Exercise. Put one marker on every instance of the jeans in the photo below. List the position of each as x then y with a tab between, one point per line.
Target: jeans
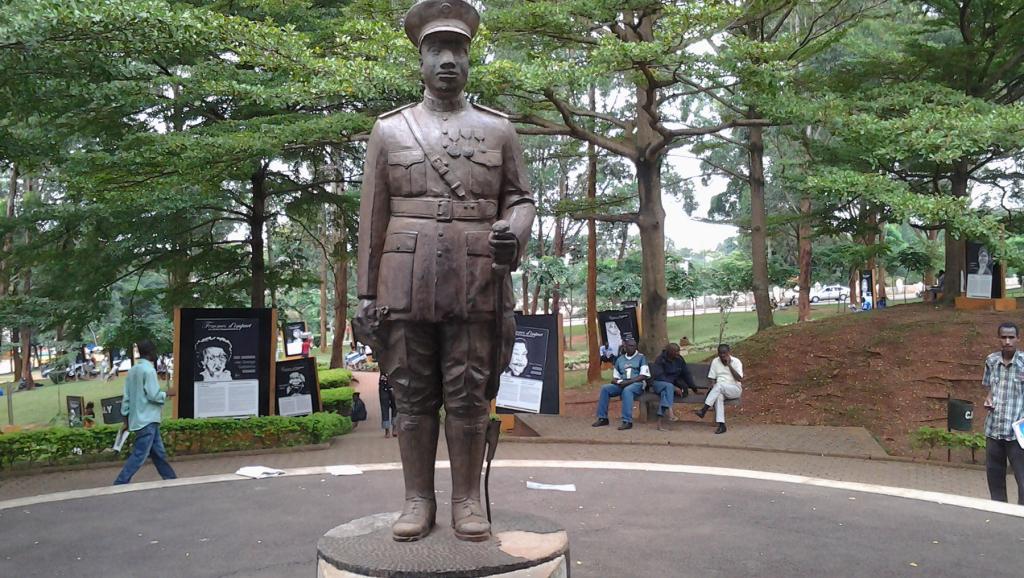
610	390
667	392
147	443
996	454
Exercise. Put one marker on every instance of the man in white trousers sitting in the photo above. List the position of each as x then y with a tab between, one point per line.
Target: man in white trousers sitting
727	374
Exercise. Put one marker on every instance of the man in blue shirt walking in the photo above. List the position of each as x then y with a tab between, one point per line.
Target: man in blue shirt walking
628	377
142	407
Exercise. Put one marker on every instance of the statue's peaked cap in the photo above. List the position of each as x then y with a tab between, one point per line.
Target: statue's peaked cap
429	16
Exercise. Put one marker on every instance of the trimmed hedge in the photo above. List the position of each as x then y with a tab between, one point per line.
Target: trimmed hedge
337	400
180	436
332	378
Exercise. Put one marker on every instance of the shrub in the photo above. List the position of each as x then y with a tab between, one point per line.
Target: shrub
332	378
931	437
180	436
337	400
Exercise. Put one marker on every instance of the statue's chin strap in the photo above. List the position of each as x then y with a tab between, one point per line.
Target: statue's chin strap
491	439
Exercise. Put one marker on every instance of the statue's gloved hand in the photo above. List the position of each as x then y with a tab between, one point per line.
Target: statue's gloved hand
366	324
504	244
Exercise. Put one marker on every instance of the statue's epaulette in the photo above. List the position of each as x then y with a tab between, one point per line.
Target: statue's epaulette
397	110
490	110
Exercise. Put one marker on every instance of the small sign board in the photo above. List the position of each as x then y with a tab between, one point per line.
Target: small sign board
618	325
111	410
532	381
76	405
293	332
297	390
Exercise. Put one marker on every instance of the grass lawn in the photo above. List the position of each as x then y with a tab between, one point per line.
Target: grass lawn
38	406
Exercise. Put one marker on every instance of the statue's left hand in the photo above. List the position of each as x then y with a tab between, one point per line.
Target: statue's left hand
504	244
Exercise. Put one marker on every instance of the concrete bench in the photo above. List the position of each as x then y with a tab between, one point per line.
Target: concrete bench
649	401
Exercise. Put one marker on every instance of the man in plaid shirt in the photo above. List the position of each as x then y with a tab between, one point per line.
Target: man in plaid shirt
1004	378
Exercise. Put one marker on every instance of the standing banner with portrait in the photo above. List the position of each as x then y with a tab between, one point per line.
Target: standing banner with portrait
532	379
982	272
867	289
297	389
226	359
76	406
618	325
293	332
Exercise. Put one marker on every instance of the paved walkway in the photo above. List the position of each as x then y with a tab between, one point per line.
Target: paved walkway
846	454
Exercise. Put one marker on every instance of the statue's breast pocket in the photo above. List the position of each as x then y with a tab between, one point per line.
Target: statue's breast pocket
486	173
407	173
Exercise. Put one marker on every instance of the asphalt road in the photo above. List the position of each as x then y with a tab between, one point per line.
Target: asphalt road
620	523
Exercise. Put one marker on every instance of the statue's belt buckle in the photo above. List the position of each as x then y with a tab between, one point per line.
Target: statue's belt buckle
444	210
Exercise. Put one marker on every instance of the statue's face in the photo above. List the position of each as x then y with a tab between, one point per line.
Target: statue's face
444	63
214	359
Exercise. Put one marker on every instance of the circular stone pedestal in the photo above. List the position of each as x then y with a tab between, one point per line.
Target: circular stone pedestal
521	546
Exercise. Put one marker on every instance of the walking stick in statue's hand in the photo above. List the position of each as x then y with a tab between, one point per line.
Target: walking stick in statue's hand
499	269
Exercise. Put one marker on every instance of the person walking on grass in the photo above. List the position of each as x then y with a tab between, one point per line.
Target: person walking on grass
142	408
1004	371
726	373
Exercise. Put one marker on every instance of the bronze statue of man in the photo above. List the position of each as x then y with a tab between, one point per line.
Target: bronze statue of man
445	214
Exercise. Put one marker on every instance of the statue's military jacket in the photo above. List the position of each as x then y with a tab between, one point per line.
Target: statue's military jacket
424	250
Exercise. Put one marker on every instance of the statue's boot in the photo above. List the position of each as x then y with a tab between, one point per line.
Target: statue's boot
466	446
418	445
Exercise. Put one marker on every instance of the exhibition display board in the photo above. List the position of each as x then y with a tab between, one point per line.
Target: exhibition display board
533	379
293	331
617	325
225	362
297	387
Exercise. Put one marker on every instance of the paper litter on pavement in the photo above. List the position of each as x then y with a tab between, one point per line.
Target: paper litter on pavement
343	470
258	472
556	487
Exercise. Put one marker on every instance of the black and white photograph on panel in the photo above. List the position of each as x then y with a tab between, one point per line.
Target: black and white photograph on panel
980	266
522	382
226	373
293	332
296	387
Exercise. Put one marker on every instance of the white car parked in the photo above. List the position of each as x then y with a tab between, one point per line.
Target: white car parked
831	293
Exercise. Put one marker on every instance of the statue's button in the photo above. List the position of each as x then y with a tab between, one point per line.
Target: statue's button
440	253
440	233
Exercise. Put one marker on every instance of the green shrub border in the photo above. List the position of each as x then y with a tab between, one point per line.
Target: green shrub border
933	437
337	400
59	446
333	378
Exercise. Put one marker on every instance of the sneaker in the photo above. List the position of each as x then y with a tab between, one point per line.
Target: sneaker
626	425
601	421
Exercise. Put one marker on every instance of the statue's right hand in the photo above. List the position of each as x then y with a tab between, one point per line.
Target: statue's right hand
367	310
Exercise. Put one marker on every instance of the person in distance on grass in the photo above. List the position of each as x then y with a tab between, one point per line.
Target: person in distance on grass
142	408
726	373
1004	380
628	377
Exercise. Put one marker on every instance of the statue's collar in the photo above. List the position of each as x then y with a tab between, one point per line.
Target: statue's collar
444	104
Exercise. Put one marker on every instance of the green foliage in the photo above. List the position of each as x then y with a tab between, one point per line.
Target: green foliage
181	436
337	400
334	378
932	437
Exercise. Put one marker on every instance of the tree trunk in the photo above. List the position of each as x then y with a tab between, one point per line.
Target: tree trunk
257	221
758	228
651	222
929	273
854	286
623	242
324	348
880	270
526	293
804	258
340	298
558	242
956	249
593	335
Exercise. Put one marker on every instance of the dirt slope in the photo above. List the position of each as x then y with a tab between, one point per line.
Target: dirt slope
879	369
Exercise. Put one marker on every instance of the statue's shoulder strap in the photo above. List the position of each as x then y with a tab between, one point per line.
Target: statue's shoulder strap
490	110
397	110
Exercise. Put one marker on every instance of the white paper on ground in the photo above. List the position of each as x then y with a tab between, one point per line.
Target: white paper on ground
343	470
556	487
1018	430
258	472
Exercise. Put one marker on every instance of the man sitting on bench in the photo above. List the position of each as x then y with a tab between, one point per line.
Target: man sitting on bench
628	376
668	372
726	372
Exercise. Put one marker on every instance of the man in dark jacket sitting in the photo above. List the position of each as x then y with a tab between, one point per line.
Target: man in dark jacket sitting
668	372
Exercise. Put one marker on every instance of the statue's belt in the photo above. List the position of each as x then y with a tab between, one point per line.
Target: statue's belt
444	209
